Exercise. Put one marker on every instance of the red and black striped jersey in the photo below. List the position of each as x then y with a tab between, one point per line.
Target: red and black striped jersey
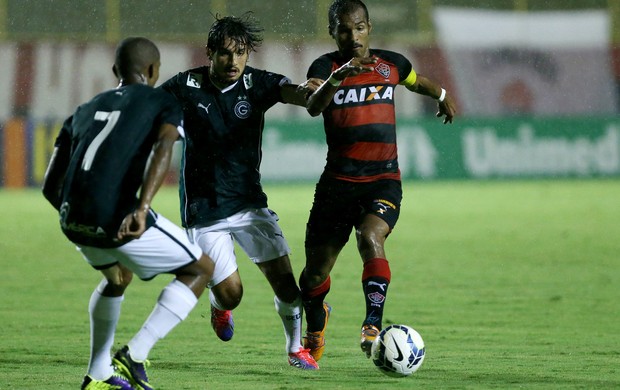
360	121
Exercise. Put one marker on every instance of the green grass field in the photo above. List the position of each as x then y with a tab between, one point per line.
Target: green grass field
511	285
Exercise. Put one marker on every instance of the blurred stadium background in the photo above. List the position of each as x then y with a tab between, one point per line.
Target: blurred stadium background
536	81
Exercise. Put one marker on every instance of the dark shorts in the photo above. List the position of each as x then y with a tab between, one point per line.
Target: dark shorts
339	206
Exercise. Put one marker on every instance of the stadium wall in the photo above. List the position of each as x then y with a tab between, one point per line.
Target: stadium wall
482	148
471	148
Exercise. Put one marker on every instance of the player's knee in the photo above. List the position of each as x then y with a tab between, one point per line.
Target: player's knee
118	278
229	292
369	237
314	276
232	302
115	287
230	299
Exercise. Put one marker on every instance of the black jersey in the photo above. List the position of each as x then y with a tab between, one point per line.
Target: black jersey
220	168
110	138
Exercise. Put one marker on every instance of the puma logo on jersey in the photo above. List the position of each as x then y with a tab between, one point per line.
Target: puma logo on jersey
361	94
200	105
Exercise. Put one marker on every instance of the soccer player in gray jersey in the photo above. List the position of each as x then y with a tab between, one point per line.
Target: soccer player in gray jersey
100	161
222	198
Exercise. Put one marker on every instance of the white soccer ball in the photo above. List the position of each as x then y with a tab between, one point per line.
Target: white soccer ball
398	351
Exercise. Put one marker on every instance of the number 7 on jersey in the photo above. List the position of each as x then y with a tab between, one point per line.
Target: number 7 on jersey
110	118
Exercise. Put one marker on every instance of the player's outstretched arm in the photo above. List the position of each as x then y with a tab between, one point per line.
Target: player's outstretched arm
134	224
445	103
298	94
320	99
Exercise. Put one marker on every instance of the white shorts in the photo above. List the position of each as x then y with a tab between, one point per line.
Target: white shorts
163	248
255	230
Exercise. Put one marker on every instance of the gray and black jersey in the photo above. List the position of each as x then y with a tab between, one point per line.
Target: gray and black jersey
111	138
220	169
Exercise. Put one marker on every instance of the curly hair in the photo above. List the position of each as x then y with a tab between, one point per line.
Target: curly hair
244	31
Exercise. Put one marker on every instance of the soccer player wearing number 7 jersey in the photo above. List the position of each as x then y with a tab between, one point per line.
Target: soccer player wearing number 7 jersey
100	161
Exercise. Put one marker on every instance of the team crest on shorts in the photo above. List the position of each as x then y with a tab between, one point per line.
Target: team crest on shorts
383	69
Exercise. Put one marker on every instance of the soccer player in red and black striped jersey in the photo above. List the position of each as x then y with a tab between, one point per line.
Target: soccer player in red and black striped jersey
360	187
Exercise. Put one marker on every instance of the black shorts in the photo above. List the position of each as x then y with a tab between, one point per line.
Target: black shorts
339	206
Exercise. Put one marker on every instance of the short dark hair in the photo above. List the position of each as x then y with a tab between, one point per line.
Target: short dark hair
340	7
243	30
134	54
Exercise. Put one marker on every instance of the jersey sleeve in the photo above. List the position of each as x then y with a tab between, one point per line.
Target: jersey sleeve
407	75
172	113
321	68
267	86
64	136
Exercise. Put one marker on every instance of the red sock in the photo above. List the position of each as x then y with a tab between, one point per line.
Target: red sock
377	267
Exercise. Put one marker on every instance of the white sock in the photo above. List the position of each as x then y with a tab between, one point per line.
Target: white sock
104	314
175	303
290	313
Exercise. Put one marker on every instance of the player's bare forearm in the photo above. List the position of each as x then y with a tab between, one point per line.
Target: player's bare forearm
295	94
427	87
134	224
445	103
158	166
320	99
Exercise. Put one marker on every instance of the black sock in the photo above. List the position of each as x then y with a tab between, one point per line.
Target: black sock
312	300
375	292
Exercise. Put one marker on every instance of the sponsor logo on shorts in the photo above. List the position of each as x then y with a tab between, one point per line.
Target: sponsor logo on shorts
385	203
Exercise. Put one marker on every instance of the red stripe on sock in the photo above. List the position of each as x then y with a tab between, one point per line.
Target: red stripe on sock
321	288
377	267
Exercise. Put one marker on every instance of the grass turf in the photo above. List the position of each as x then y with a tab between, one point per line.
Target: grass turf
511	285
